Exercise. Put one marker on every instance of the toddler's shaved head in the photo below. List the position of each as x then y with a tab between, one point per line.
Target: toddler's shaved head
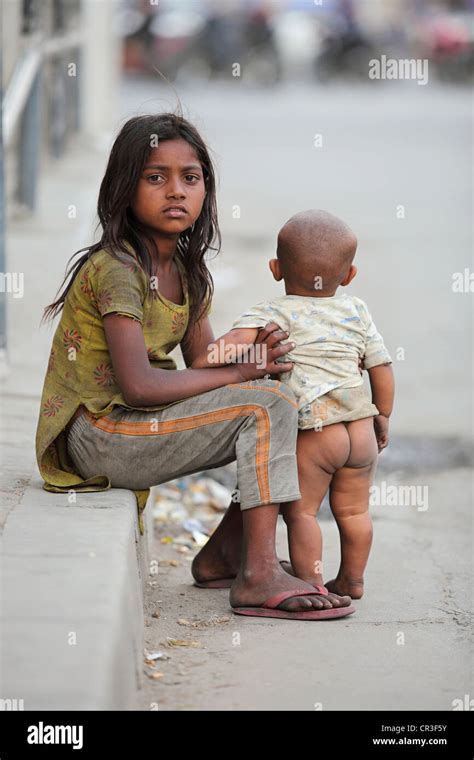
315	244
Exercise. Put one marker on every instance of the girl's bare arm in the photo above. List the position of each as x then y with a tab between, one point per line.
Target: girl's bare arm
229	348
144	385
196	339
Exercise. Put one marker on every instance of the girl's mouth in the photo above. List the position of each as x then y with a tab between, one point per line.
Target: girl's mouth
175	212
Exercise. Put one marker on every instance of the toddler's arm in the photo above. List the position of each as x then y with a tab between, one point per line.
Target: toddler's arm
382	383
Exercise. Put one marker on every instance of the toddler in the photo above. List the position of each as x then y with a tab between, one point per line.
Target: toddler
341	428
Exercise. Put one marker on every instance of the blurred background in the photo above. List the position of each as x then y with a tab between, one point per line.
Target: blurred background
281	92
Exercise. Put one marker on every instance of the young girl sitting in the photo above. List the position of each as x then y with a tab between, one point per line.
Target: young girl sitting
115	410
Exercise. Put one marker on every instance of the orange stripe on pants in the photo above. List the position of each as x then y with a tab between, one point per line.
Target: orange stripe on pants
262	418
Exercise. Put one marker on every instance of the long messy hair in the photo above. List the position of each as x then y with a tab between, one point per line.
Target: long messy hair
119	225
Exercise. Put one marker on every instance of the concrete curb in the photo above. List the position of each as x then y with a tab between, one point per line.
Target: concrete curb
73	577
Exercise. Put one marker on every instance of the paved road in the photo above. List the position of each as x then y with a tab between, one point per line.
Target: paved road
405	648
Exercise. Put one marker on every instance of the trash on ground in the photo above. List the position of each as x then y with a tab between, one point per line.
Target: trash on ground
195	498
156	655
183	643
193	525
183	541
213	621
155	675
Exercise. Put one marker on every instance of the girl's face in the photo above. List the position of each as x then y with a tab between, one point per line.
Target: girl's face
171	190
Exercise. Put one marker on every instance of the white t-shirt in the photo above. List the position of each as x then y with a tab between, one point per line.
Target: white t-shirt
331	334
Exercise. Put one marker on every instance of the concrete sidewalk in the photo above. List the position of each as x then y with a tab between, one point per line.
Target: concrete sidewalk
72	575
407	647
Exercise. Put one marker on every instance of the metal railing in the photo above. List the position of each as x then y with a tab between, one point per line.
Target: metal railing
47	73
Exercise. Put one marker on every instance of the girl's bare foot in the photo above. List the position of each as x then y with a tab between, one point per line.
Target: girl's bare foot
251	591
213	565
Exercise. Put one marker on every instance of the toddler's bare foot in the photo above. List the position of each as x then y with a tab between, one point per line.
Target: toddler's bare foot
353	587
335	597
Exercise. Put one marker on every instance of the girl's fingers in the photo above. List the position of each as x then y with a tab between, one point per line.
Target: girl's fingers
275	368
272	334
275	339
263	334
274	353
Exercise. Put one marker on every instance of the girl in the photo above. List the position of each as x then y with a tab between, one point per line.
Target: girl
115	411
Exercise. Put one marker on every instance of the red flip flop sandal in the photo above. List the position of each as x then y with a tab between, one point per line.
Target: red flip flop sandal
269	608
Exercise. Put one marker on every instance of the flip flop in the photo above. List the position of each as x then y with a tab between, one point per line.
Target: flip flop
225	582
269	608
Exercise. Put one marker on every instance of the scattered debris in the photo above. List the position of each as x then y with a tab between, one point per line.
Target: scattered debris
152	656
183	643
156	614
199	533
154	675
192	499
183	541
213	621
193	525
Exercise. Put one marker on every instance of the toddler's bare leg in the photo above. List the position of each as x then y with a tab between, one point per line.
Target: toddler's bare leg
319	455
349	499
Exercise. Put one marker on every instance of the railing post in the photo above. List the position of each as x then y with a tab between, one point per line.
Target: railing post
30	146
3	266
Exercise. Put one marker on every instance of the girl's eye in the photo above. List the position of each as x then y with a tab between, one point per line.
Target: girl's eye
192	178
153	176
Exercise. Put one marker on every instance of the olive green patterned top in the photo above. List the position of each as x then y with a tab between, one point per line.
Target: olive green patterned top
80	369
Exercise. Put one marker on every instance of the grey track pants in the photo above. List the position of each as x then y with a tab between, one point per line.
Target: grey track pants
255	423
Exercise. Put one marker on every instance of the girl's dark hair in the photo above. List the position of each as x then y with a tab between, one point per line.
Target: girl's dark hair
119	225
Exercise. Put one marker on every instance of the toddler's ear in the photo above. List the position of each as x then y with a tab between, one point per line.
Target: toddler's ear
350	275
274	265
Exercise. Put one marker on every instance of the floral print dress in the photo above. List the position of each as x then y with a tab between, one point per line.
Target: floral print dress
80	370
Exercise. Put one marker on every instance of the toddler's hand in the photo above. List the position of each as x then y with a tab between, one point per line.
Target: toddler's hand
381	431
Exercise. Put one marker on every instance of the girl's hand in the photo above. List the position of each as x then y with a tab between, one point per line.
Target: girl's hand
268	339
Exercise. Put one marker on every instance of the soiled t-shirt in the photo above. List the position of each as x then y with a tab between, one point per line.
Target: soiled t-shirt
332	334
80	370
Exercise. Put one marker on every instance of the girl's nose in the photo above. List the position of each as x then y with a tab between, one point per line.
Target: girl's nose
176	190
